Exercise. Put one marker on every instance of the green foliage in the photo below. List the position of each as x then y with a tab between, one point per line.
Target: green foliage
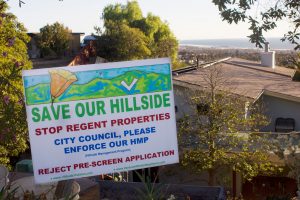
296	62
178	65
287	151
120	13
270	12
13	59
9	192
128	35
6	193
54	39
123	43
221	134
151	191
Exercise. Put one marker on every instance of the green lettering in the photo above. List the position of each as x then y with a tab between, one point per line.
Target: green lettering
114	106
90	111
135	107
166	99
122	105
151	101
100	107
157	101
36	116
66	111
145	104
55	114
79	109
46	114
128	108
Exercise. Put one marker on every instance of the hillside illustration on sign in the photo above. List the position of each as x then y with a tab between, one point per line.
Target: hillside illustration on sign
62	85
100	118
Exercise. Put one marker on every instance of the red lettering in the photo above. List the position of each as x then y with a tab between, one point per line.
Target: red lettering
69	128
146	118
167	115
113	122
54	170
48	130
81	165
90	125
140	119
120	122
76	127
38	131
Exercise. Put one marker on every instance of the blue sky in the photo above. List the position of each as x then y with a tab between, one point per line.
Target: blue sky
188	19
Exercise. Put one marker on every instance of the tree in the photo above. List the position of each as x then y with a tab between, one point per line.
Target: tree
222	137
161	40
270	12
124	43
128	35
54	38
288	151
13	59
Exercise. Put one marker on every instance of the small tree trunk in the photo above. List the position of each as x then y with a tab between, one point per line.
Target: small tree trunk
234	184
211	177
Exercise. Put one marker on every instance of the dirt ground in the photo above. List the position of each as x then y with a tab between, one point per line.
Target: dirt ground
90	194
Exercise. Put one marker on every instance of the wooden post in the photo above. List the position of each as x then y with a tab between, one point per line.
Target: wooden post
233	183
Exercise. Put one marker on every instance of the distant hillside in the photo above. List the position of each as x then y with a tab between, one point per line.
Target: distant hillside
237	43
100	88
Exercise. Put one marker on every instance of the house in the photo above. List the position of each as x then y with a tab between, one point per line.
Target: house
74	44
32	46
34	52
273	87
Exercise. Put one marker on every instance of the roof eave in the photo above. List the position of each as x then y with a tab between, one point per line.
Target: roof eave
278	95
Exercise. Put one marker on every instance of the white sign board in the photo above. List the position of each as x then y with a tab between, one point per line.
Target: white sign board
98	119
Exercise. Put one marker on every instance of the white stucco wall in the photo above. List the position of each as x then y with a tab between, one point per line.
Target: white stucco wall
182	97
275	107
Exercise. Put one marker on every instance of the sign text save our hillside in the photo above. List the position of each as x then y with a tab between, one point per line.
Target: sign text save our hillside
102	118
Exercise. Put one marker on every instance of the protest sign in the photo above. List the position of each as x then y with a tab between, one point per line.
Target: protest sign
102	118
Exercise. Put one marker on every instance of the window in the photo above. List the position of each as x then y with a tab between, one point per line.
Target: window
284	125
202	108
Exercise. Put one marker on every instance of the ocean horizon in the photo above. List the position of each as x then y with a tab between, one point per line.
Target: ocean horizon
238	43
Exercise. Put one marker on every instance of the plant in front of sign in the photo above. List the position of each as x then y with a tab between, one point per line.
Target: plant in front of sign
8	192
219	136
150	191
13	59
